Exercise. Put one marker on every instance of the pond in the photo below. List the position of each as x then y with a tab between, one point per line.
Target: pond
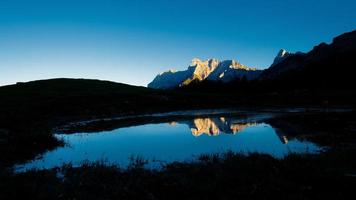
170	138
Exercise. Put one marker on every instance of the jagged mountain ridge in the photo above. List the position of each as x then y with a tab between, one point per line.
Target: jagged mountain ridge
326	65
211	69
282	55
230	70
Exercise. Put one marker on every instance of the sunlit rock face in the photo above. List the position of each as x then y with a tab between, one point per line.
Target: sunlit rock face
230	70
212	70
215	126
202	69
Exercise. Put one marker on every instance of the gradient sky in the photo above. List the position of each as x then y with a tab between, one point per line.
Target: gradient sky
131	41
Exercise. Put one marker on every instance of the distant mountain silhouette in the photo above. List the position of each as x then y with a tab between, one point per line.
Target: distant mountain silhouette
326	65
283	55
198	71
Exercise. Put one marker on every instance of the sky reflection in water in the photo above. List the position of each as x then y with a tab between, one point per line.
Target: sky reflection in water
174	141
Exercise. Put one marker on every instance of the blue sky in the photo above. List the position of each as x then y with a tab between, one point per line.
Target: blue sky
131	41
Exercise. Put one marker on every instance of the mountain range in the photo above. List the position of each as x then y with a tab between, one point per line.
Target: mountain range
314	68
324	64
210	70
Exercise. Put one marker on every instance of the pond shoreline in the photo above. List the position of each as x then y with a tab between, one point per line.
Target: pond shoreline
195	112
325	174
230	130
295	176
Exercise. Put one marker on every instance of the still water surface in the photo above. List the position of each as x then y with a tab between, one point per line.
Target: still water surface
181	140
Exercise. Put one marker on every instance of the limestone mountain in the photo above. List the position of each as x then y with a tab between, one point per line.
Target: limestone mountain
211	70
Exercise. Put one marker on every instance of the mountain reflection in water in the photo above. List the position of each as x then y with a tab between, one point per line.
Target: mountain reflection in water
169	139
214	126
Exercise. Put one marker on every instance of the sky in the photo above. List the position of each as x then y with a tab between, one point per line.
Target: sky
131	41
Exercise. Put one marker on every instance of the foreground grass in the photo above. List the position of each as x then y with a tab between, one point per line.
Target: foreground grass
29	111
327	128
218	176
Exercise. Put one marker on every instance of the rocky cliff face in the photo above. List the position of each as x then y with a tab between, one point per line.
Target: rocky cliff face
212	70
326	65
230	70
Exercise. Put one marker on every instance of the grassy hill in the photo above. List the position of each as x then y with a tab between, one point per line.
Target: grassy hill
28	111
70	97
